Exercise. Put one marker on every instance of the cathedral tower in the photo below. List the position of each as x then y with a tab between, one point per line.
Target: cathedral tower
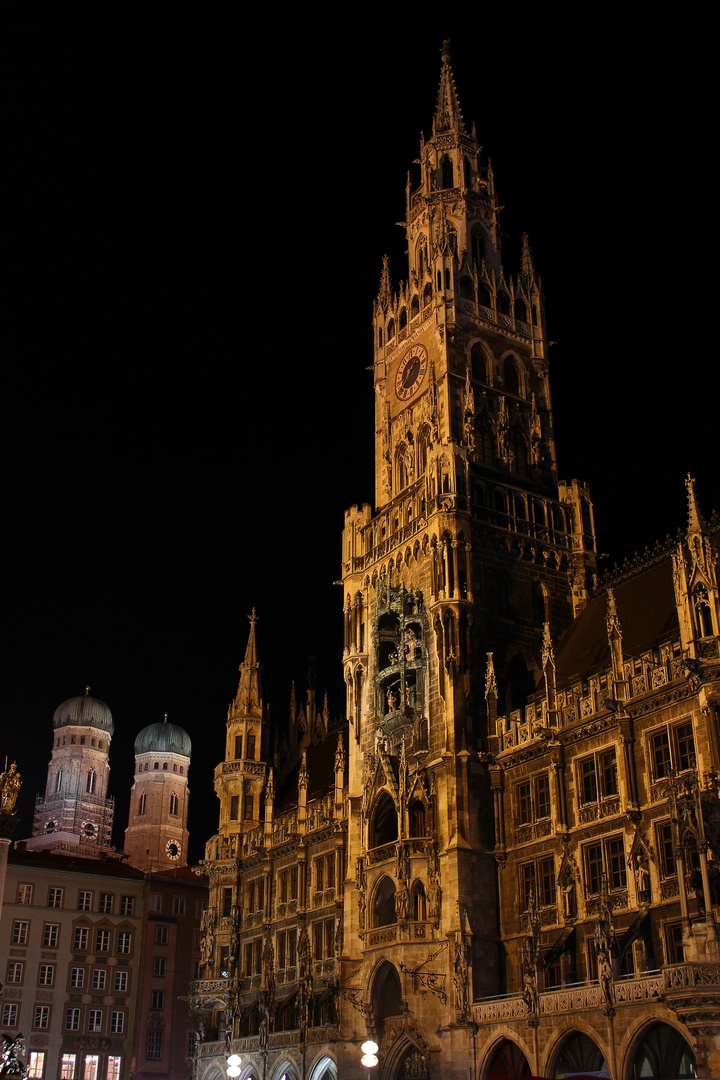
76	815
157	837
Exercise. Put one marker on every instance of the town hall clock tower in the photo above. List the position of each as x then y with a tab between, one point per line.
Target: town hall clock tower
472	564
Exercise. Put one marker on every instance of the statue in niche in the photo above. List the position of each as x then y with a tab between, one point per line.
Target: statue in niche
411	644
434	898
568	893
460	976
402	903
642	878
605	976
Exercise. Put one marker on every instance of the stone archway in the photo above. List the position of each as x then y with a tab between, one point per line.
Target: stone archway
662	1054
324	1069
507	1062
578	1054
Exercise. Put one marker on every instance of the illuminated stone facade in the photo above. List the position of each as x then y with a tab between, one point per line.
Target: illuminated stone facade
523	796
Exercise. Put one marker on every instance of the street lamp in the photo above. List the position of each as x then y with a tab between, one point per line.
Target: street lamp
233	1065
369	1049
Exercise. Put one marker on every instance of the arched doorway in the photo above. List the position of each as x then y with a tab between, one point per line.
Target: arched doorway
413	1066
508	1062
325	1069
579	1055
663	1054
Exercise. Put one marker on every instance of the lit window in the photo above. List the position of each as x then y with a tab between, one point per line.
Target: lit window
90	1071
36	1064
67	1067
113	1068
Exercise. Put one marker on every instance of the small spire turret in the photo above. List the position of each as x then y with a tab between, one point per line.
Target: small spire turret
448	115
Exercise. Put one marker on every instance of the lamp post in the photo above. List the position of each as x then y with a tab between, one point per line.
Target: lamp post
233	1066
369	1059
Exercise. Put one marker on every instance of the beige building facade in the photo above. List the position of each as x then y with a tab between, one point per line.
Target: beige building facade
503	861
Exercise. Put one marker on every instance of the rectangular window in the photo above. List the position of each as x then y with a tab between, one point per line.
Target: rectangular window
51	933
234	807
685	747
588	781
161	935
102	941
72	1019
291	945
106	903
281	950
55	897
15	971
238	747
542	796
317	940
257	955
191	1044
157	999
159	966
117	1022
329	937
25	894
660	747
36	1064
593	868
77	978
674	951
95	1020
608	773
113	1068
9	1015
524	804
20	932
248	808
294	883
84	900
616	863
606	857
548	891
80	938
319	874
527	884
67	1067
41	1018
153	1047
331	871
227	896
155	902
248	959
92	1063
251	747
597	776
667	852
46	975
124	943
120	982
127	907
283	886
178	906
99	978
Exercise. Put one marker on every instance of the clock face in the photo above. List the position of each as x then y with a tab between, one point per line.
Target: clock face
172	849
411	372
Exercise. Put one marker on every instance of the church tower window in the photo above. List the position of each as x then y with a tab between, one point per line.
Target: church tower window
446	172
90	782
477	247
511	376
173	804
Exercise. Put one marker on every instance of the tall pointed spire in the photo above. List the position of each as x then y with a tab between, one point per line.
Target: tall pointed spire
249	692
448	114
696	523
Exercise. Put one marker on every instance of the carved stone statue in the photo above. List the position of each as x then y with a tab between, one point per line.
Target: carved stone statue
605	976
434	898
10	1063
10	782
642	879
568	892
402	903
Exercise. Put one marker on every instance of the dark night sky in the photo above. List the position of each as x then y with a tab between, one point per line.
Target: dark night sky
197	206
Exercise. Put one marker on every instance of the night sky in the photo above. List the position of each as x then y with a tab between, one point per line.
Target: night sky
197	206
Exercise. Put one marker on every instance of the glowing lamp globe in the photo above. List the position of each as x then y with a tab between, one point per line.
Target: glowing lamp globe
369	1047
233	1066
368	1060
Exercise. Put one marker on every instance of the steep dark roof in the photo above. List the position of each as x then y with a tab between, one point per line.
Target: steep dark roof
321	772
647	613
73	864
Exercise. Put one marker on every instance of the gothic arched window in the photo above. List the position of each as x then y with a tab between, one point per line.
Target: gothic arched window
521	309
419	902
503	302
478	362
391	330
384	825
511	376
703	616
173	804
58	780
383	909
141	803
484	296
403	318
415	306
90	782
467	292
427	295
446	173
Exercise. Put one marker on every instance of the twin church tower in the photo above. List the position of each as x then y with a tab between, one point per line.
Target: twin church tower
76	815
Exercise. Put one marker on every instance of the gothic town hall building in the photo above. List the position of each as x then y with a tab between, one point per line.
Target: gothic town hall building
504	861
